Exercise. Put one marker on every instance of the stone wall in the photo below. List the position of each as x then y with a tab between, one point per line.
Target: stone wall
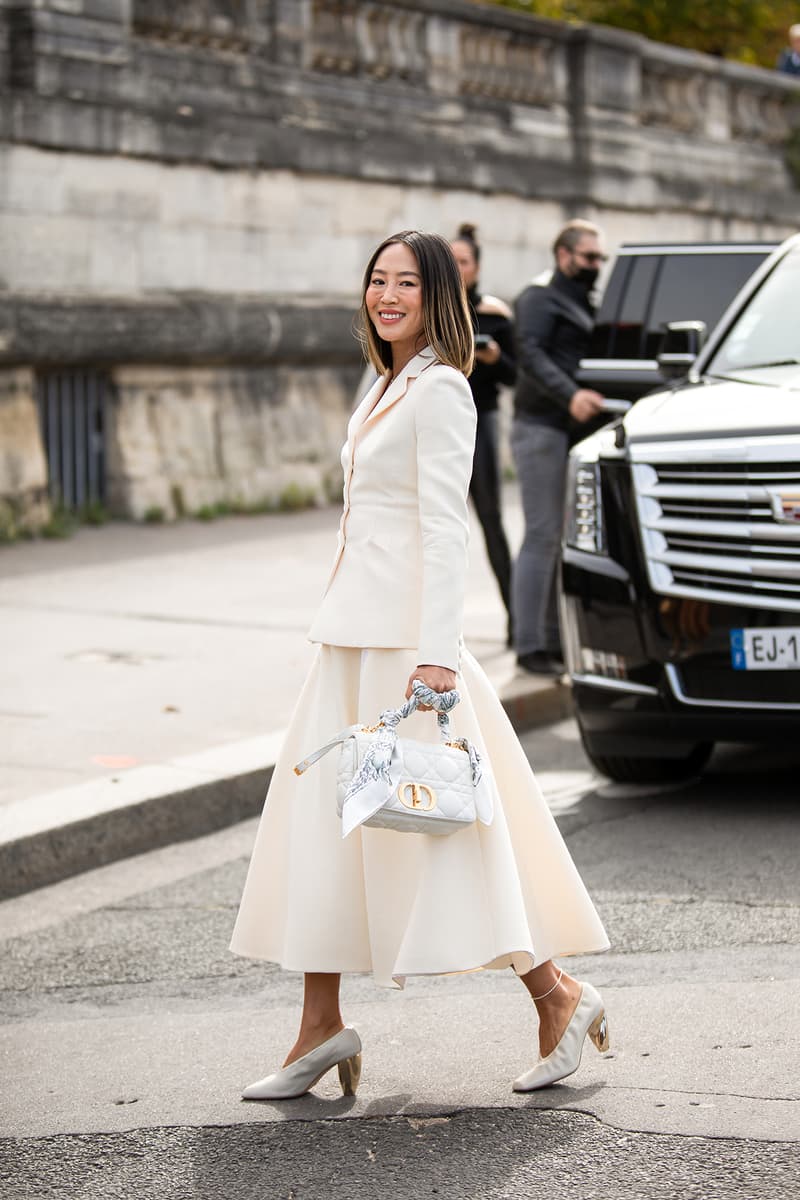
188	193
24	503
193	440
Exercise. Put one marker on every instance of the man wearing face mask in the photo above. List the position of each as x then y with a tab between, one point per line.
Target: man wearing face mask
554	325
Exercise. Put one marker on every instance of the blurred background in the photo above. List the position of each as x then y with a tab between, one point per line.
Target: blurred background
189	191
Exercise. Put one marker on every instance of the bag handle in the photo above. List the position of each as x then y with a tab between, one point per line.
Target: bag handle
441	702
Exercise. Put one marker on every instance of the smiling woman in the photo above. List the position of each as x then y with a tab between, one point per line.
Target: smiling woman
412	297
394	301
496	895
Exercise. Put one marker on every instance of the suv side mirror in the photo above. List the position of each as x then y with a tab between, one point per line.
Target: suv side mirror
682	343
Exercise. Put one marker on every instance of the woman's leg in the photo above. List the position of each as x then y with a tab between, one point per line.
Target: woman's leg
555	999
321	1017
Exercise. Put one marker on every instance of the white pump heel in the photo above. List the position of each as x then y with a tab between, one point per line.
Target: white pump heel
343	1050
588	1020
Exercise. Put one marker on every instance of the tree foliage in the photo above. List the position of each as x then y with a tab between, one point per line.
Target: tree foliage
752	31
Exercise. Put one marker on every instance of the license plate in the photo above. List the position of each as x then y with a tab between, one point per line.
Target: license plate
765	649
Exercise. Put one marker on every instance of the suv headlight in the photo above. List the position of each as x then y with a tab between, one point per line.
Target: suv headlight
583	514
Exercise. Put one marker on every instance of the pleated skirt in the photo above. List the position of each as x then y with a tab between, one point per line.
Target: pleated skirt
400	904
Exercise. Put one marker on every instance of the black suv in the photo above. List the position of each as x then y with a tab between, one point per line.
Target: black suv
651	286
680	605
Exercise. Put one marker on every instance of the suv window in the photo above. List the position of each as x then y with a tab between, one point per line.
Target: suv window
647	289
605	329
634	307
695	287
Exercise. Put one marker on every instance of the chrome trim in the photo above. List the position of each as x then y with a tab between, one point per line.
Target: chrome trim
615	685
618	364
738	599
735	449
682	519
628	251
754	573
568	607
675	684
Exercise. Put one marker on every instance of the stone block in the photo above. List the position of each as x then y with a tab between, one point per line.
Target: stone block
114	12
41	253
265	199
172	259
113	259
31	181
366	209
69	34
192	329
24	502
100	197
198	196
181	440
238	260
610	66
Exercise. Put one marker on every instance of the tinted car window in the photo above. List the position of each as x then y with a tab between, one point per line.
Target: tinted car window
604	333
768	331
627	343
696	287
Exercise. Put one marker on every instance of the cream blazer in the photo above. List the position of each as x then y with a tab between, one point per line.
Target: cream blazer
399	573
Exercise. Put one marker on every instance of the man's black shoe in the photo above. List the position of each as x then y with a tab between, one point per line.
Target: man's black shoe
540	663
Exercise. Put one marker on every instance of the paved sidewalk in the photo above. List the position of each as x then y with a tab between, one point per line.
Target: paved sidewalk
146	674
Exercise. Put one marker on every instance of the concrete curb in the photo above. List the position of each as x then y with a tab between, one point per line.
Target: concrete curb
45	839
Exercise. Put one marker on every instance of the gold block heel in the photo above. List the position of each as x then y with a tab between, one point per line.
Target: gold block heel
350	1074
598	1032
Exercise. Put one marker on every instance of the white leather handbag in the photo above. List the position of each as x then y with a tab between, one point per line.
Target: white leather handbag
390	782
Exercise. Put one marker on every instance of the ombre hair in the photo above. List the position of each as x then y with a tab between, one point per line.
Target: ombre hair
446	323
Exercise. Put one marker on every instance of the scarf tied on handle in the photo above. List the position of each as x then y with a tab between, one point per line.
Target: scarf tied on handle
372	784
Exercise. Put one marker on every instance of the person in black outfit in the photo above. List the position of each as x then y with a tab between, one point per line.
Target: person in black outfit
494	365
789	60
554	326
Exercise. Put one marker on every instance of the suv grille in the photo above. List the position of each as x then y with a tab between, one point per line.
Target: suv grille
711	530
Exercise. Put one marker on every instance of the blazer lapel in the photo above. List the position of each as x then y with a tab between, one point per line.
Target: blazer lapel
399	386
364	409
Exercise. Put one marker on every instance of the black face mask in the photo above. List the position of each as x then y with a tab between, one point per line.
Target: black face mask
587	277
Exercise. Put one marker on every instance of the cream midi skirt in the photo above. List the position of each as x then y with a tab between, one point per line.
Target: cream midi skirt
399	904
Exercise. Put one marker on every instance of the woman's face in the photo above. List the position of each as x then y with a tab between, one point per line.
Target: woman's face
466	261
394	300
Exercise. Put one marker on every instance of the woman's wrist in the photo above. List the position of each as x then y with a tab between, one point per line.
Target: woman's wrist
438	679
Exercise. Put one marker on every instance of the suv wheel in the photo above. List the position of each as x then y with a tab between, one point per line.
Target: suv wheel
627	769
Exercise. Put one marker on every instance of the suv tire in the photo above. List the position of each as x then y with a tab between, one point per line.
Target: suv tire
628	769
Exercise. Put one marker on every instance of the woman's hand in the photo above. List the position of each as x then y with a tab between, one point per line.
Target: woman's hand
438	679
490	354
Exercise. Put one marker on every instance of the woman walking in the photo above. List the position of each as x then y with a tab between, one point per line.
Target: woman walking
494	366
394	905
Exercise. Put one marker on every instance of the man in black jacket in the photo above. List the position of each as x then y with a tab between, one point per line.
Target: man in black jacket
553	328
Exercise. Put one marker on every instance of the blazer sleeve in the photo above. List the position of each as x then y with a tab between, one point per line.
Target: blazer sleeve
445	420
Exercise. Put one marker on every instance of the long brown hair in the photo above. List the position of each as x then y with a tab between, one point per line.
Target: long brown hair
446	323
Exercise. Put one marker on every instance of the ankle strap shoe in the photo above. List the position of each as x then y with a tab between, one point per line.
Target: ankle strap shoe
589	1019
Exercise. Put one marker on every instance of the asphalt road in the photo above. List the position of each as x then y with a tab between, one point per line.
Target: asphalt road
127	1029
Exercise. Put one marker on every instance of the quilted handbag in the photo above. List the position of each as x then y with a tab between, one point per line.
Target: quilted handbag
390	782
